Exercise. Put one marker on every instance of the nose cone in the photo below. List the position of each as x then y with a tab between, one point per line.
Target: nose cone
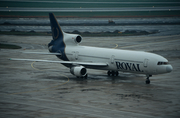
169	68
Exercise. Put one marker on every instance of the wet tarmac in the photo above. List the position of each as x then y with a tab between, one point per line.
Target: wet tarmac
36	89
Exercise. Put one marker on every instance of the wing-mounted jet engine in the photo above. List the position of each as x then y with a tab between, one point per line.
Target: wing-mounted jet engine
79	71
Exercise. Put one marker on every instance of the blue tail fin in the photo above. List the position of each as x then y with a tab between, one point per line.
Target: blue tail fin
55	28
57	45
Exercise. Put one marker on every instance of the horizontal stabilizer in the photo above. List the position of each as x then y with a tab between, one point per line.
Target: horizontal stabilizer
70	63
43	53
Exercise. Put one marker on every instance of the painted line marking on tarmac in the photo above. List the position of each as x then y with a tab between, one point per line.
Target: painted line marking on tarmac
44	88
115	46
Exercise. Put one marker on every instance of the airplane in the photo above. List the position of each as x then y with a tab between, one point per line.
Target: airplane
78	58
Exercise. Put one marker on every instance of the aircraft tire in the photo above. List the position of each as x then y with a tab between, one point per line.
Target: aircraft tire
117	73
147	81
112	73
85	77
109	73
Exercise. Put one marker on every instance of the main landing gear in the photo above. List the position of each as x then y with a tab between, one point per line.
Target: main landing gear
84	77
147	79
112	73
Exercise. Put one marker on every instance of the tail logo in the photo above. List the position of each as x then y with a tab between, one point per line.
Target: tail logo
55	33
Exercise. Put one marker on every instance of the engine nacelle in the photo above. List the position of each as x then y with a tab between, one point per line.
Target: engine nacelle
77	39
71	39
79	71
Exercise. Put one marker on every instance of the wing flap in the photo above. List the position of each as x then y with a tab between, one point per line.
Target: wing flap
89	64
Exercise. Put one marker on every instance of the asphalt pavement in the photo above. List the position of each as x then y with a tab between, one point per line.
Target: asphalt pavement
36	89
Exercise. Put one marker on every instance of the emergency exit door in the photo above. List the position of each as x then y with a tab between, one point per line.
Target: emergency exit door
75	55
146	62
112	59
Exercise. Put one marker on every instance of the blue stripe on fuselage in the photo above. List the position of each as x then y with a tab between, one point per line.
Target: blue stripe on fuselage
57	43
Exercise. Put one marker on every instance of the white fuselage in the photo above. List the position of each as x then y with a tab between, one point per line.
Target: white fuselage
119	60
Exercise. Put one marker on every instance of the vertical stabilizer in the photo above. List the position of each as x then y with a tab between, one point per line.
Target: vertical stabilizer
57	33
57	45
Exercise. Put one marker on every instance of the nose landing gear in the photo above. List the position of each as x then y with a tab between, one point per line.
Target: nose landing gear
147	79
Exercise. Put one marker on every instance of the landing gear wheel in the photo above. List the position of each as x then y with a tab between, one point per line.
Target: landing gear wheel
85	77
117	73
109	73
112	73
147	80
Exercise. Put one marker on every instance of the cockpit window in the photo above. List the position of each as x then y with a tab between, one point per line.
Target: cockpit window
162	63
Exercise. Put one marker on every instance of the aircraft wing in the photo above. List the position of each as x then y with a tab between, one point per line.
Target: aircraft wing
69	63
43	53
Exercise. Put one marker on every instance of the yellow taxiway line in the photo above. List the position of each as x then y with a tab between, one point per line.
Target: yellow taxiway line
44	88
